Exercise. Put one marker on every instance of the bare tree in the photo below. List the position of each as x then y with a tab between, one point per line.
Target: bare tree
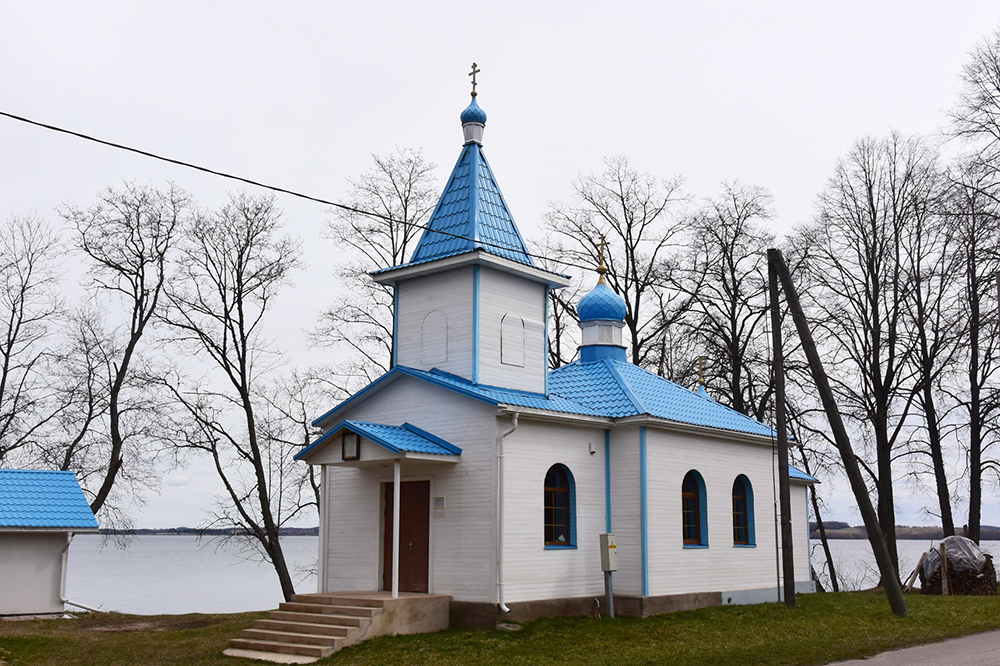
863	291
400	190
635	212
28	304
727	283
127	235
933	327
976	118
975	219
232	265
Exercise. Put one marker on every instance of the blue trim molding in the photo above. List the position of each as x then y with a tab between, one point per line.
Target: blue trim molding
607	481
475	324
545	346
395	323
644	519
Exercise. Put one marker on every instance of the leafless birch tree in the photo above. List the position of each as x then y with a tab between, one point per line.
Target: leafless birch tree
127	236
637	214
233	263
400	188
863	291
28	305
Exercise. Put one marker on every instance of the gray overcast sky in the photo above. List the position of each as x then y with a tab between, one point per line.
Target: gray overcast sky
299	94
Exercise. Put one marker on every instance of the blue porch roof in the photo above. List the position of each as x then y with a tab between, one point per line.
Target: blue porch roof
40	499
404	438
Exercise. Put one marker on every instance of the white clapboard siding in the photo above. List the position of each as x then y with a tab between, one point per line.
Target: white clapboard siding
722	566
626	521
503	294
447	299
800	532
462	533
531	571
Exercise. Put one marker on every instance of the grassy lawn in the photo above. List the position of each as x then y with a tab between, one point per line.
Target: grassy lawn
823	628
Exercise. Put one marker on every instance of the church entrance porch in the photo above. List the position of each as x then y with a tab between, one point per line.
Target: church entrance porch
414	536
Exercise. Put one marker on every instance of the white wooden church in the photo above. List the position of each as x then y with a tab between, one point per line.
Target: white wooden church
509	472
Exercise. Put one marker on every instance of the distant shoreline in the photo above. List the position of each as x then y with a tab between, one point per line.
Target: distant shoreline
194	531
839	530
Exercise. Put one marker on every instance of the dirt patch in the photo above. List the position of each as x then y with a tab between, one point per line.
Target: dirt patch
164	624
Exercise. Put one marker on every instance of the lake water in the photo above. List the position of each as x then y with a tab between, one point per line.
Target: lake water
855	563
182	574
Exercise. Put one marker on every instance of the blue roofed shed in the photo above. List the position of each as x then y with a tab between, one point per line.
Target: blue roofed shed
39	512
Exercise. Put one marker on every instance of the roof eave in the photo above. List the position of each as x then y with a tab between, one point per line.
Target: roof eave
470	258
536	414
49	529
709	431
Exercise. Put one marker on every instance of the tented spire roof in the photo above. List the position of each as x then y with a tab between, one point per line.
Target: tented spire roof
471	213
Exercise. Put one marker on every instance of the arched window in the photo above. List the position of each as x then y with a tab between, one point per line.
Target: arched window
694	510
743	523
559	507
434	338
512	340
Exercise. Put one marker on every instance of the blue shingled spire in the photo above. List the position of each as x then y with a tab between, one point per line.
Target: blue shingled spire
471	212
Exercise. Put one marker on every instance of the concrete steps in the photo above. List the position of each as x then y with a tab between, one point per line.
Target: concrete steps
312	626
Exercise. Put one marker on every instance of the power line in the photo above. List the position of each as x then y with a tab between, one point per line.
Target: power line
255	183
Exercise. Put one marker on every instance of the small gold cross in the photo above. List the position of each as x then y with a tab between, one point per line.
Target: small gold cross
473	75
601	268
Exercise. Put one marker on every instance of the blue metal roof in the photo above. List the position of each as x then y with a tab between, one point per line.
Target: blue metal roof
798	474
35	499
473	113
472	214
605	388
405	438
601	303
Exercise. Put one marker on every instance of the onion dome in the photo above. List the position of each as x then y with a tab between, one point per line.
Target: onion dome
473	114
473	123
601	303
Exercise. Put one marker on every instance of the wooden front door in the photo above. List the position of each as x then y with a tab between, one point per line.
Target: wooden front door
414	534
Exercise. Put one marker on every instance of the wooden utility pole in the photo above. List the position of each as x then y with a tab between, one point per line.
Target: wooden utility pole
890	577
784	488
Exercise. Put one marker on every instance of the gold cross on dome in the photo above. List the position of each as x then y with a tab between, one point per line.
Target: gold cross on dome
601	268
473	73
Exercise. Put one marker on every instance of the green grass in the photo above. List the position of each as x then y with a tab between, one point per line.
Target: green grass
821	629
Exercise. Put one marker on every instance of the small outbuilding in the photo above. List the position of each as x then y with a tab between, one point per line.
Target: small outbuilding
40	511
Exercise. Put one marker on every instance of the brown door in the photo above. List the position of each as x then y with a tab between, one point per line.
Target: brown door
414	534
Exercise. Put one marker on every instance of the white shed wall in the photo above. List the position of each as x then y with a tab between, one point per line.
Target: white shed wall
450	293
501	294
462	533
30	572
532	571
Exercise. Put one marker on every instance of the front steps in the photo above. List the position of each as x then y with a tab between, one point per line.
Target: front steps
313	626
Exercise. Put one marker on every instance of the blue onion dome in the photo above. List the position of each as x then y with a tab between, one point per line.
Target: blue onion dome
601	303
473	114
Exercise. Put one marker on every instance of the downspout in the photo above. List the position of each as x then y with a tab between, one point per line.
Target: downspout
500	438
62	579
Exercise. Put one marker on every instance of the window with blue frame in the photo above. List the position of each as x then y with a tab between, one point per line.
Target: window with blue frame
694	510
743	522
559	507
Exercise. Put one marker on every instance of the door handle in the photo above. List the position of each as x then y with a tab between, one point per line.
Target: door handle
411	545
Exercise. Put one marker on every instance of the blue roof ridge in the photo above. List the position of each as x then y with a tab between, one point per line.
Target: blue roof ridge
716	402
434	438
474	194
503	200
639	407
